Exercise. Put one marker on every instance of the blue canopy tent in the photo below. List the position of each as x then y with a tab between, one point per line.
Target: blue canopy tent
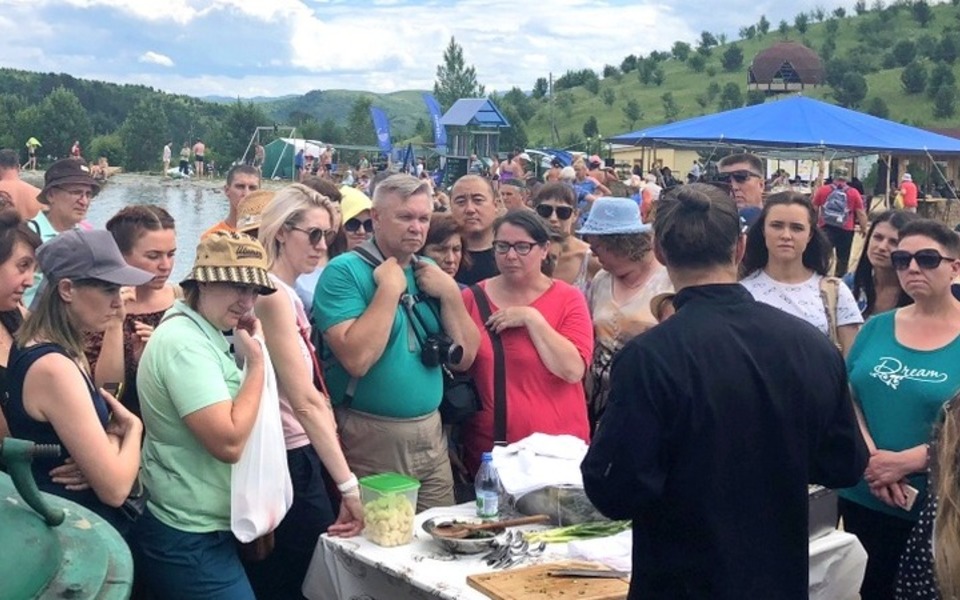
798	127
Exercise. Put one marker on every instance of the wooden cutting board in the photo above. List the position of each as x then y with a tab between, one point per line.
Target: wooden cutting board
533	583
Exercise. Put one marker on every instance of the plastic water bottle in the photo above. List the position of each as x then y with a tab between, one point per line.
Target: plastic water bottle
487	486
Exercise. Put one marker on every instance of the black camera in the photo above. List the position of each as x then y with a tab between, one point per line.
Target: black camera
439	349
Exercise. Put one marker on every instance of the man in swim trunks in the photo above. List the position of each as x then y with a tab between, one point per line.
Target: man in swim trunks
198	151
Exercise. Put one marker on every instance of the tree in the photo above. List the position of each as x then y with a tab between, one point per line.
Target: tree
731	97
645	71
819	14
801	22
235	128
732	58
680	51
707	39
755	97
111	147
608	97
721	39
610	71
454	79
914	78
629	63
877	6
829	47
145	132
590	127
564	101
713	90
922	13
658	76
763	25
658	57
940	76
702	100
520	101
851	91
61	119
945	102
670	108
860	7
592	85
697	62
839	12
10	105
748	33
333	133
784	28
359	129
904	52
540	88
514	136
834	71
632	113
947	49
878	108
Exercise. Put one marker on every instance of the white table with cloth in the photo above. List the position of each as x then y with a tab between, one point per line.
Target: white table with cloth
357	569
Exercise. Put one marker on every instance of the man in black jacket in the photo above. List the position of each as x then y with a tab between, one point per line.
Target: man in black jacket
717	421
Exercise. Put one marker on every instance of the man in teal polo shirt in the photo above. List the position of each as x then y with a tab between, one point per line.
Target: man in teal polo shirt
388	420
68	188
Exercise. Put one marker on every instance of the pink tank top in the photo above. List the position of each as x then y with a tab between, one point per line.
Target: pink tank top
293	434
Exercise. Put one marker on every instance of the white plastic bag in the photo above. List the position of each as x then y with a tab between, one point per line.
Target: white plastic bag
260	489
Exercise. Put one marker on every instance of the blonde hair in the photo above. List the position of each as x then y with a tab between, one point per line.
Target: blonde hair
286	210
946	527
51	320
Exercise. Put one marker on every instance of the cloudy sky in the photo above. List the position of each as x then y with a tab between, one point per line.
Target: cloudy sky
275	47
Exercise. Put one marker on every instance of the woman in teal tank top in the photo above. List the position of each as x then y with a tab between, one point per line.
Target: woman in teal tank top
904	365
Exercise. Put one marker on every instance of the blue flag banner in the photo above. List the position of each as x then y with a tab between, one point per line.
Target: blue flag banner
381	125
439	133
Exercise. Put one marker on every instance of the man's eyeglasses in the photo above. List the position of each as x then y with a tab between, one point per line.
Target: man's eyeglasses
738	176
77	194
315	234
926	259
521	248
354	225
546	211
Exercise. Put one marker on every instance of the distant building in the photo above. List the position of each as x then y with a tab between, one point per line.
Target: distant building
785	67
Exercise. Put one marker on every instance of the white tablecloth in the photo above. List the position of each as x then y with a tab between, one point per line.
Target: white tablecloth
355	568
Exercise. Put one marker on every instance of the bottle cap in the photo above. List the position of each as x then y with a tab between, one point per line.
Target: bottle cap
487	456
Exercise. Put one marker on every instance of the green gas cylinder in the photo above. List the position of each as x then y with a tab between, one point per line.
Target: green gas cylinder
51	547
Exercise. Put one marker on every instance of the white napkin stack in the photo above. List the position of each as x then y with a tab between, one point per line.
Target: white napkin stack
538	461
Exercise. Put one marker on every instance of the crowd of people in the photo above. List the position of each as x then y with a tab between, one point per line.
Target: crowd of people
695	337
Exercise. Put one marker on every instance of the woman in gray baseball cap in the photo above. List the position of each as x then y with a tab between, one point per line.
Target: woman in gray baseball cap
52	395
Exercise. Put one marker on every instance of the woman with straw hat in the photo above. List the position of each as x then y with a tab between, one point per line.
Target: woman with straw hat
198	412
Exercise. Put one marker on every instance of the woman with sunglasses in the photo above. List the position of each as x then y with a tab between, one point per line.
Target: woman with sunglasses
903	367
294	229
621	293
357	224
556	203
547	336
785	262
875	283
52	396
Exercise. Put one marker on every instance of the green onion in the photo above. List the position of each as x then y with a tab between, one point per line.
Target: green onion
581	531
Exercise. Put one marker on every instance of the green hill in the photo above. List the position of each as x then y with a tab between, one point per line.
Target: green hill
861	43
403	108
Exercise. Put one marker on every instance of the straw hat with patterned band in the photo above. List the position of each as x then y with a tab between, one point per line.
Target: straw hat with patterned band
65	172
250	210
231	257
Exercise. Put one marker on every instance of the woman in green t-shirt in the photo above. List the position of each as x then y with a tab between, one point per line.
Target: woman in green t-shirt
904	365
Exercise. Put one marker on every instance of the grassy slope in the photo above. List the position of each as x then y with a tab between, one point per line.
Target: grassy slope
403	107
685	84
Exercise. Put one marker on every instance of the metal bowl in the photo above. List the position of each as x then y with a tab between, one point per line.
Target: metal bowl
472	545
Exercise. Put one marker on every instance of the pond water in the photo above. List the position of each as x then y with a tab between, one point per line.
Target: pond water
195	206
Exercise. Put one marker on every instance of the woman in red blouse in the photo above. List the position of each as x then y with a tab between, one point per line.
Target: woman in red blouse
547	339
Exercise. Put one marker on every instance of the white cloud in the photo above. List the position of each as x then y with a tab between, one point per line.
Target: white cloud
292	46
156	58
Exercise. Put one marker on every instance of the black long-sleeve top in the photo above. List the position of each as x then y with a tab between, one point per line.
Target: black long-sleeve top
717	421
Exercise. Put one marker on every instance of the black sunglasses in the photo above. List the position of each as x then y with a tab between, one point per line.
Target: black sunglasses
315	234
926	259
354	225
738	176
546	211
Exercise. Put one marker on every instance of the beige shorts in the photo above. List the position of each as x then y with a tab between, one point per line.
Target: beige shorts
415	447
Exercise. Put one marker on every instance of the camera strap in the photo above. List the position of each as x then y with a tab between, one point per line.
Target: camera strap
499	368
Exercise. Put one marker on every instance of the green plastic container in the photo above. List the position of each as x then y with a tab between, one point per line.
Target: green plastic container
389	504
